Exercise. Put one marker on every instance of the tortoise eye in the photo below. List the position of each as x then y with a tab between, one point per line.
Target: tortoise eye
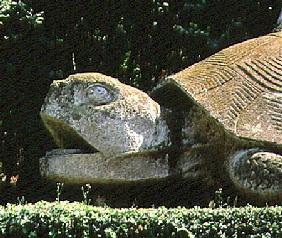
99	94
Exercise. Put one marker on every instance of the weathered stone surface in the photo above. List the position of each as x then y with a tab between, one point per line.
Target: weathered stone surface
96	168
231	103
256	172
111	117
238	85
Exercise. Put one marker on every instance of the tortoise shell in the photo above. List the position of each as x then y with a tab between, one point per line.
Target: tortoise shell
241	87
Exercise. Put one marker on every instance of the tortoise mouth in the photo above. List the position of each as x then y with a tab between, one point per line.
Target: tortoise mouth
67	139
70	142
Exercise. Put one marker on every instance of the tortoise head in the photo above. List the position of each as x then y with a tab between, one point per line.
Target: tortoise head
91	110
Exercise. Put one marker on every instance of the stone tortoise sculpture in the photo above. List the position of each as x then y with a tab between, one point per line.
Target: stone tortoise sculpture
220	119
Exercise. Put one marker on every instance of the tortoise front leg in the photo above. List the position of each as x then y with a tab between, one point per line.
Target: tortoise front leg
257	172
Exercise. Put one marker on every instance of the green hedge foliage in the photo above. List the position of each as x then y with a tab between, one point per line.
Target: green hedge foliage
64	219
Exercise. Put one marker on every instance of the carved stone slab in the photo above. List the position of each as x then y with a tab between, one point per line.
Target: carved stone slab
95	168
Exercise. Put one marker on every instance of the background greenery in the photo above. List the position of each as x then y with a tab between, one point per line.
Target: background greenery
64	219
138	42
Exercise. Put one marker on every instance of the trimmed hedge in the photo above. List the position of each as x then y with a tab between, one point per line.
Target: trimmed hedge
65	219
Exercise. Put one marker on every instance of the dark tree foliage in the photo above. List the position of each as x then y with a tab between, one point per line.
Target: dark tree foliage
138	42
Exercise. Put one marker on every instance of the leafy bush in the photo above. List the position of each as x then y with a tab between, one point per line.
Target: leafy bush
64	219
24	65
